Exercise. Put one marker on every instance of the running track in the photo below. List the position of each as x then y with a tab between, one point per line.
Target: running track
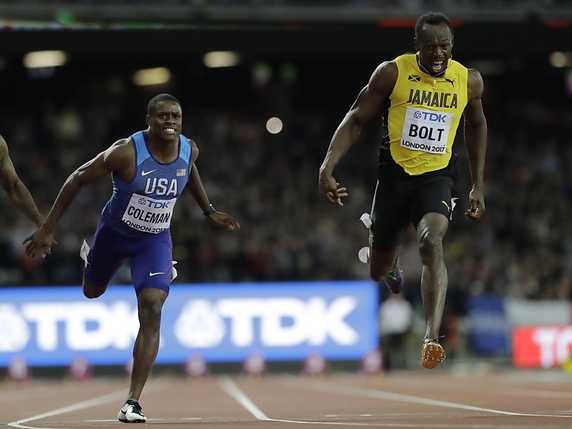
415	399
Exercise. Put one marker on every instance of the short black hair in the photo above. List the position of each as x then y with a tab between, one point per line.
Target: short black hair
432	18
158	99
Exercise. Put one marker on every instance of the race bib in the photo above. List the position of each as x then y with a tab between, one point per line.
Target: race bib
148	214
426	130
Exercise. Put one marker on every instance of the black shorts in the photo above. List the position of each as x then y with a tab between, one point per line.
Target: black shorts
399	204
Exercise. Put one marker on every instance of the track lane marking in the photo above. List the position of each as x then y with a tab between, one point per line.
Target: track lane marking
75	407
237	394
100	400
341	389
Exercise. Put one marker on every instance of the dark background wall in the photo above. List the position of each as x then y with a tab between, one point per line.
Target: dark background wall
531	39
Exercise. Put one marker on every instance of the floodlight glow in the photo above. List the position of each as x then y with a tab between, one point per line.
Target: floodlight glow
274	125
154	76
558	59
218	59
42	59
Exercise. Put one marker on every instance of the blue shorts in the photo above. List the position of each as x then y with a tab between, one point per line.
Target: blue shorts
150	256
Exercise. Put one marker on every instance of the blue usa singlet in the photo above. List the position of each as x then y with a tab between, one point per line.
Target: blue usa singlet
145	205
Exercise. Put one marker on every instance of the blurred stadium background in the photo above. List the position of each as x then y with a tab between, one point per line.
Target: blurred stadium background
76	75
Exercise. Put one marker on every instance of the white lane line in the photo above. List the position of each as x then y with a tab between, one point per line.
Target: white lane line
176	420
70	408
232	389
79	406
507	390
330	387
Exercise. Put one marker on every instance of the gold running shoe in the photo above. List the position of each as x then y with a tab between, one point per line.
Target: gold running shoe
432	354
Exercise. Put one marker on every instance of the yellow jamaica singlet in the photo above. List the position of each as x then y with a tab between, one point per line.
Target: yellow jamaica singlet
424	114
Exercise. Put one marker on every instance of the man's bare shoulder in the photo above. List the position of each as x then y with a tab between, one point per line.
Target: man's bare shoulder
3	148
386	69
383	78
5	161
475	84
474	75
118	153
122	143
194	149
120	146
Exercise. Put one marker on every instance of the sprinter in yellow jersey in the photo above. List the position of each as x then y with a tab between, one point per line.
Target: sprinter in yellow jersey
420	98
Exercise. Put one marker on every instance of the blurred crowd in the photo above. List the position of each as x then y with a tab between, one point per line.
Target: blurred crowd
521	248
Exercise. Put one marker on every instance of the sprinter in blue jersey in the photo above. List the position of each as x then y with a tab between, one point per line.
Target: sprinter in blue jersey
149	171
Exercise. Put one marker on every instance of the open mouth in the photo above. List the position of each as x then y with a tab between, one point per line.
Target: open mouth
438	66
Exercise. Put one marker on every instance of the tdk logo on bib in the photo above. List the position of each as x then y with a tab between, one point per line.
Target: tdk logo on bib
155	204
426	130
430	116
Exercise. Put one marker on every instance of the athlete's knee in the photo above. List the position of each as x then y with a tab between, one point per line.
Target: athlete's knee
430	246
150	308
150	317
154	309
90	291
